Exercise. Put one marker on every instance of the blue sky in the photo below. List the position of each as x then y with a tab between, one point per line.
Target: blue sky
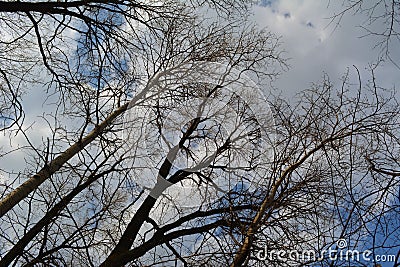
315	46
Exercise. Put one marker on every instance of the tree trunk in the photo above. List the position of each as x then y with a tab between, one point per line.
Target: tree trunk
14	197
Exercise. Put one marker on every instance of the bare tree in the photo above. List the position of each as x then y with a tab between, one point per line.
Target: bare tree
93	87
163	150
324	187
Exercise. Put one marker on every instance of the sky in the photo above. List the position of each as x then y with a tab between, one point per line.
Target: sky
311	43
314	45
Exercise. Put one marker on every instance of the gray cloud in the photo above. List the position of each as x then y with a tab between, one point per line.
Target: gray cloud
315	46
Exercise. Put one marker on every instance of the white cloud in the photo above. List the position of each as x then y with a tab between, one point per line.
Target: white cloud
314	46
